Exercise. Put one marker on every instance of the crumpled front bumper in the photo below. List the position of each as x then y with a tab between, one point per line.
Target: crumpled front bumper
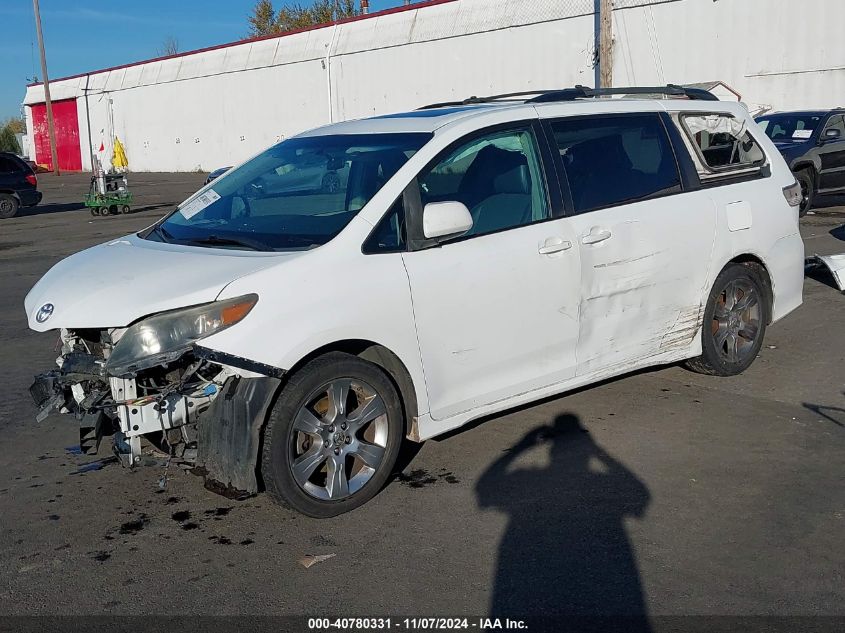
209	414
61	390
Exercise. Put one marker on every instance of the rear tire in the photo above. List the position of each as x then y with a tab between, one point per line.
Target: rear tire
734	323
9	206
807	181
333	436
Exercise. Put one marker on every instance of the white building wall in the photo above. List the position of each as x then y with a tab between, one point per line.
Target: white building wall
787	54
29	150
214	108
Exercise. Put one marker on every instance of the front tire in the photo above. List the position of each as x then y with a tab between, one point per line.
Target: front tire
807	182
333	436
735	321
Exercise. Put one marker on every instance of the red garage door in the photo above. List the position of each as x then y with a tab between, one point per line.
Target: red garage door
67	135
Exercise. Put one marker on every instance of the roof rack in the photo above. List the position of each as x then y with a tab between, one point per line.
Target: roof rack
583	92
508	96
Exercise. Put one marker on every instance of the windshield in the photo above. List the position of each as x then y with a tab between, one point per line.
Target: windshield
783	127
298	194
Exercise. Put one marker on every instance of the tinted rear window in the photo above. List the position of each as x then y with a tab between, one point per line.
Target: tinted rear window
10	164
612	160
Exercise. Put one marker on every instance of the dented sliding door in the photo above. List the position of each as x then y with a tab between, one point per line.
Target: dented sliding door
645	242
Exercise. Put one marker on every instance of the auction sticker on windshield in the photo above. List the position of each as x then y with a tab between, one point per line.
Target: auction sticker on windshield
199	203
802	133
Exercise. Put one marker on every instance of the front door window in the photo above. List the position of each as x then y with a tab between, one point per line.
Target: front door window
497	176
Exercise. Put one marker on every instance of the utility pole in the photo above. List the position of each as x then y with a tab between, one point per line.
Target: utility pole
606	43
51	130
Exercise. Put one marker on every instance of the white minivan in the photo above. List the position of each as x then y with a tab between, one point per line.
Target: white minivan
474	256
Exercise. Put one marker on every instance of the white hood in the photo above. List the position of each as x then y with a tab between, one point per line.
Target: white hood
114	284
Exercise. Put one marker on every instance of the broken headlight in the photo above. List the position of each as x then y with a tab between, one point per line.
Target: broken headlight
164	337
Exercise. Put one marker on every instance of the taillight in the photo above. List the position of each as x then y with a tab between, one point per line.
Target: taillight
31	179
793	194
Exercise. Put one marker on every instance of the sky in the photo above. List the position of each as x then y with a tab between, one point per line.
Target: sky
84	35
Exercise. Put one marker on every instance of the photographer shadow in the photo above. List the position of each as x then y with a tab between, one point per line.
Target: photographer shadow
566	551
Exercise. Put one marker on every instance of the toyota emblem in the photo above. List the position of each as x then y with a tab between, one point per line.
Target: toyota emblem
44	312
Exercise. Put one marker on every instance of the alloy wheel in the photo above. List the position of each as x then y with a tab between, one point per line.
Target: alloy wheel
736	320
338	439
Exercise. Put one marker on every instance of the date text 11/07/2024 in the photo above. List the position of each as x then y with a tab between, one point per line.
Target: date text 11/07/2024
415	624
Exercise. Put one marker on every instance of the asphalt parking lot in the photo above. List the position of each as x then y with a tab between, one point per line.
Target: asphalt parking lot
663	492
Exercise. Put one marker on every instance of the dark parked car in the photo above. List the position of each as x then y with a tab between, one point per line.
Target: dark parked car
813	144
216	174
18	185
32	164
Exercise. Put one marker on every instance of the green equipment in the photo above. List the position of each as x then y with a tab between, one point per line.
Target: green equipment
109	192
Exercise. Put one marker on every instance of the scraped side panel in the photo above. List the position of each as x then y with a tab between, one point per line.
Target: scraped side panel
643	288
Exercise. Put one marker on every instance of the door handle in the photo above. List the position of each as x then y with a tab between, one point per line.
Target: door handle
554	245
596	235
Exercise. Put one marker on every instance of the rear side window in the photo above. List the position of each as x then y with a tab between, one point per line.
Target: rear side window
7	165
613	160
722	143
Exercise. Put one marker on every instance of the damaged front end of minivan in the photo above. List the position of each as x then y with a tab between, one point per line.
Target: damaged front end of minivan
154	380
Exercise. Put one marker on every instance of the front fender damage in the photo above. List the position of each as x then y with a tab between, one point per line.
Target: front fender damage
229	435
202	408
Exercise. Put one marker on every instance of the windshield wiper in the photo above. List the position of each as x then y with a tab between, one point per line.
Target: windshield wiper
299	240
162	233
216	240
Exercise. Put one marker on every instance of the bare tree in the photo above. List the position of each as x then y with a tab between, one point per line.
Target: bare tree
169	46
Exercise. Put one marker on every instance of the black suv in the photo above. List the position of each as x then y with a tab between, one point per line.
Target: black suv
813	144
18	185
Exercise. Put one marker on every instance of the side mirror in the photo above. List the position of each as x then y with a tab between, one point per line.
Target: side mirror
441	219
833	134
